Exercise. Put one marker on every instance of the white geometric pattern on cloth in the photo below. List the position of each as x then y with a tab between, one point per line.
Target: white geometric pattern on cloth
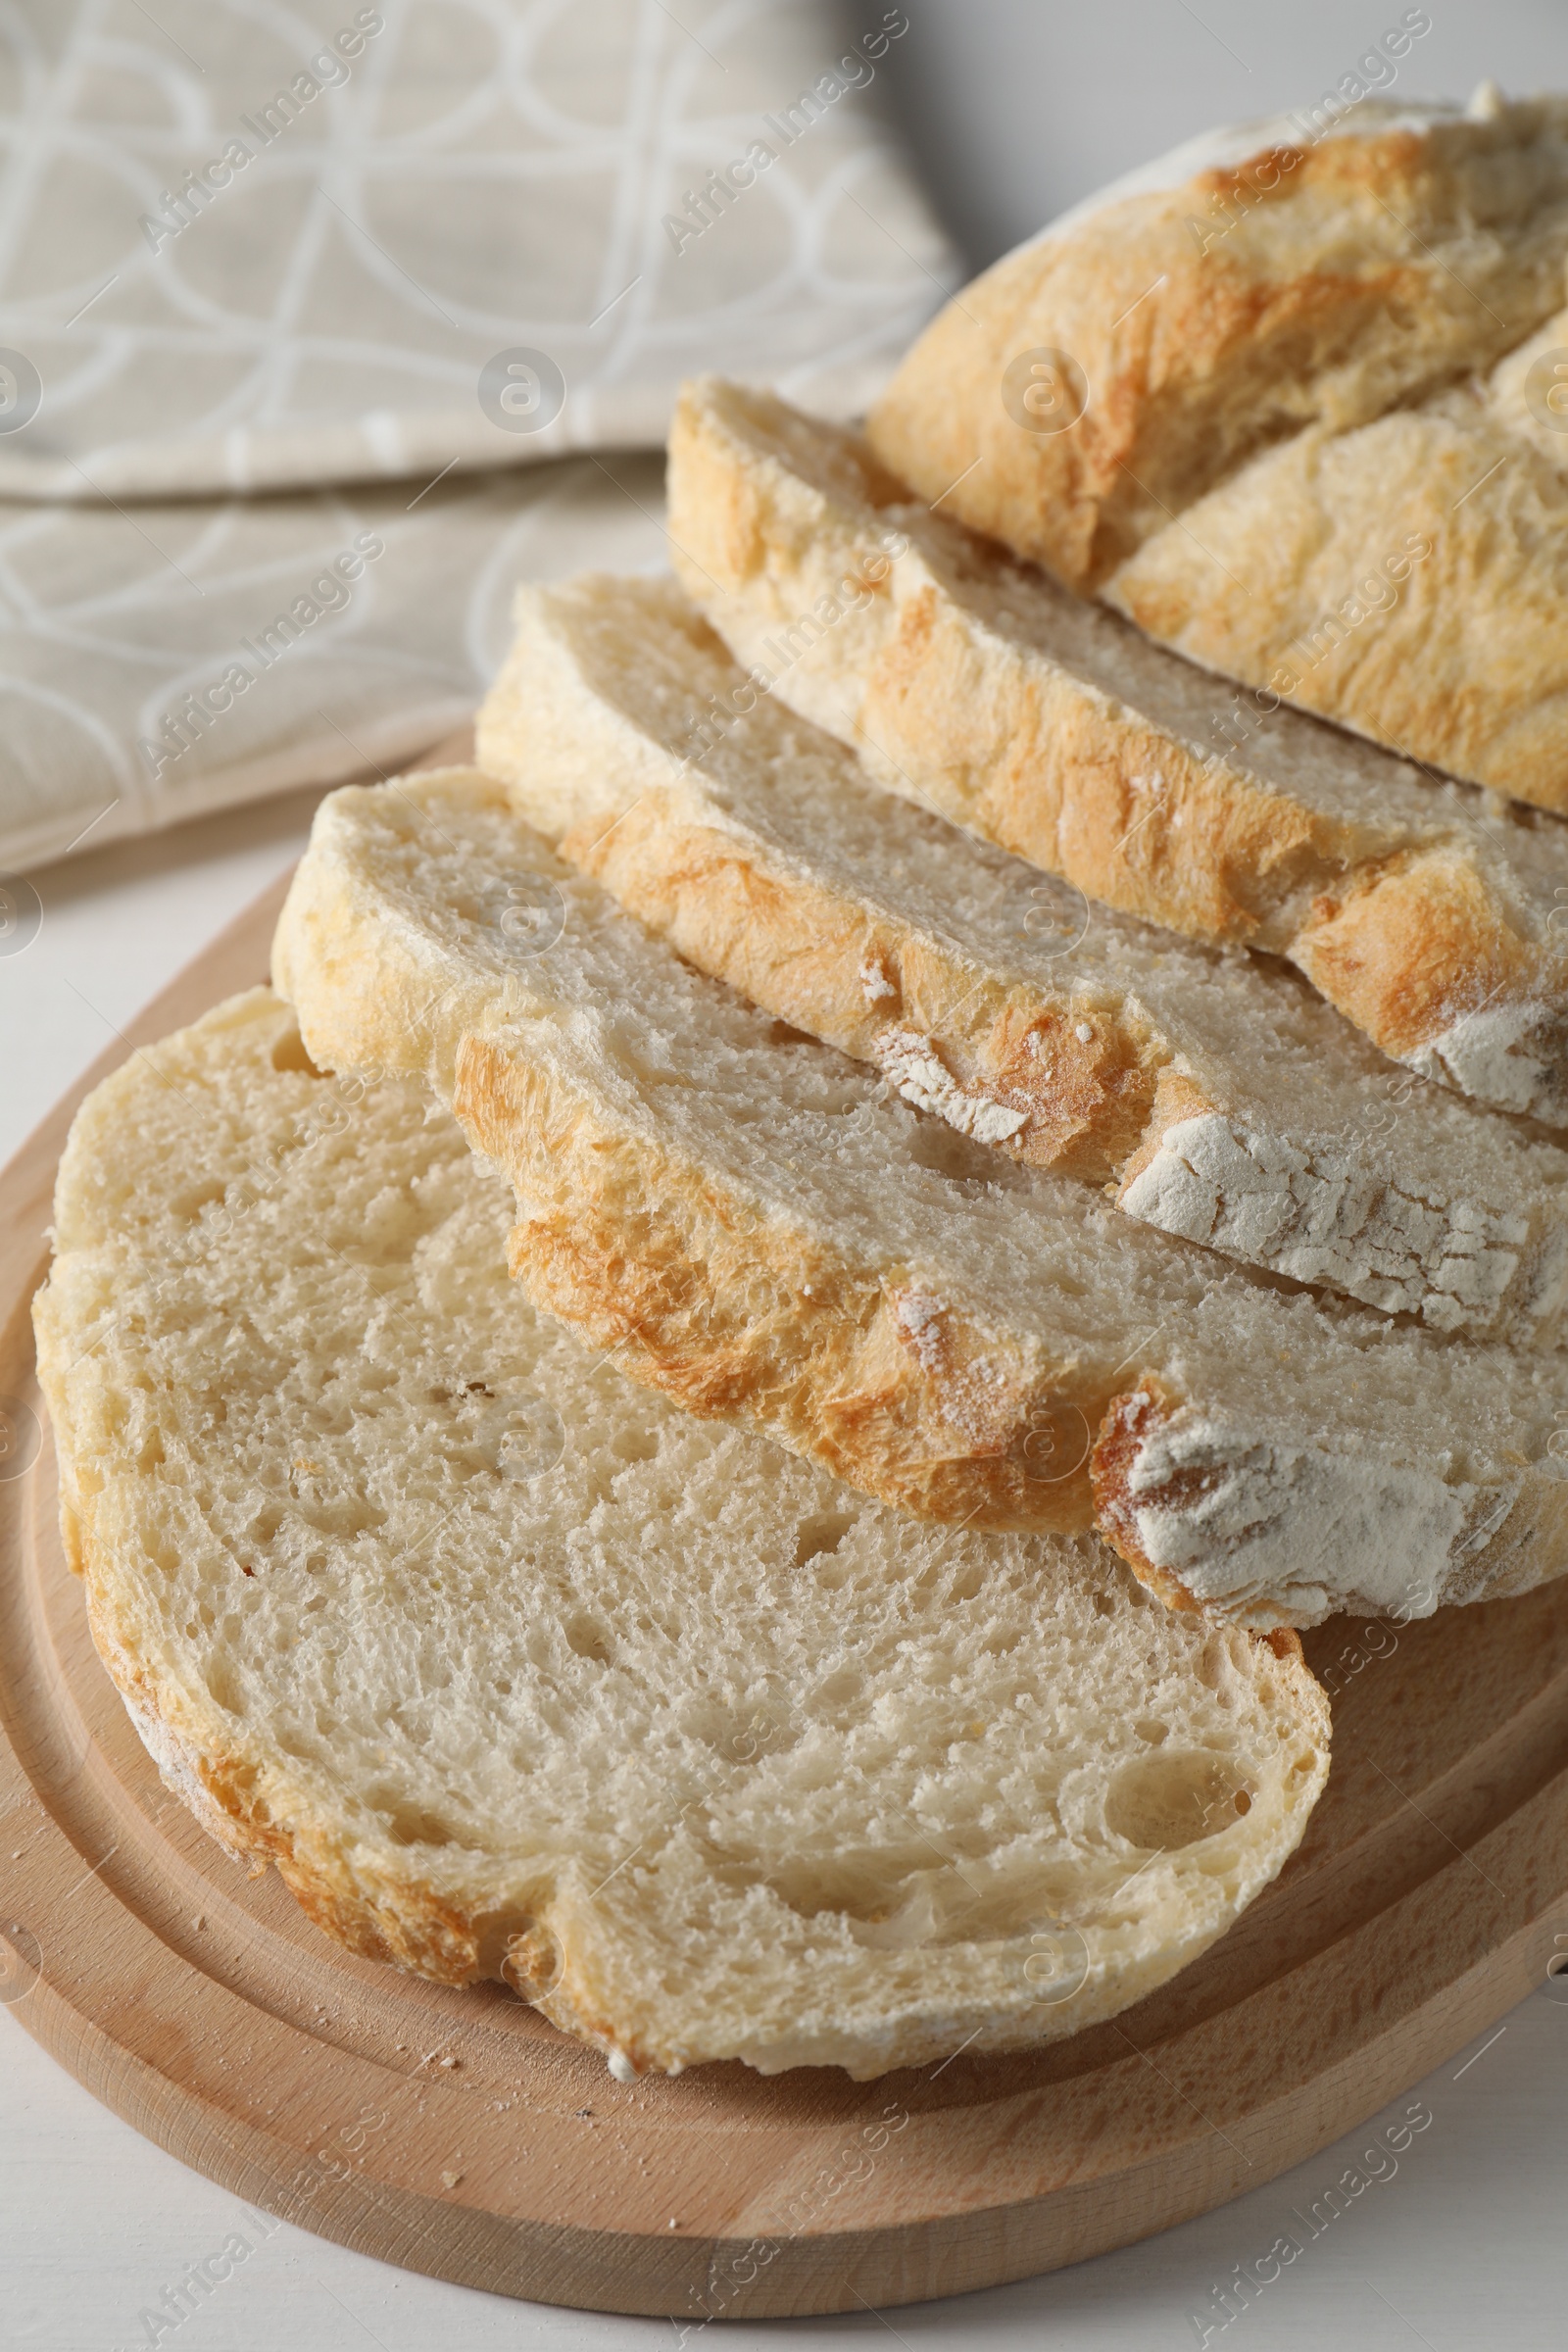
115	622
456	180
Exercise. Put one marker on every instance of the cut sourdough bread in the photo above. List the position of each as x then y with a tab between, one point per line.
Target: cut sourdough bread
1431	918
1219	1096
1224	393
738	1213
516	1672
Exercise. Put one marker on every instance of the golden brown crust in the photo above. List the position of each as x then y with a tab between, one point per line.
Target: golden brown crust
1087	788
883	1386
1286	1644
1402	931
1408	578
1283	368
1410	945
656	1233
1327	299
817	959
1401	945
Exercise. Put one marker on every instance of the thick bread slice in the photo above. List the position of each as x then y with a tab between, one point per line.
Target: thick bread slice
1432	920
1221	1098
737	1212
514	1671
1255	380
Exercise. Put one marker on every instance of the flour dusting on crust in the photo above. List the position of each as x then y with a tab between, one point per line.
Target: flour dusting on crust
914	1067
1324	1215
1514	1057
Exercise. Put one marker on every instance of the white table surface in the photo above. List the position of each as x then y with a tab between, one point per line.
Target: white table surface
1015	108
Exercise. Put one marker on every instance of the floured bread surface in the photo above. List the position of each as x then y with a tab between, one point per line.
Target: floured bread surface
741	1216
1218	1095
1226	404
977	686
517	1672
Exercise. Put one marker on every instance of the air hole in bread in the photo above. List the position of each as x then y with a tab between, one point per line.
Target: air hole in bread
1174	1798
634	1445
821	1534
810	1891
923	1907
588	1638
220	1680
410	1825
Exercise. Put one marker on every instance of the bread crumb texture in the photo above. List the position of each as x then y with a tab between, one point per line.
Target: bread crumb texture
757	1226
516	1671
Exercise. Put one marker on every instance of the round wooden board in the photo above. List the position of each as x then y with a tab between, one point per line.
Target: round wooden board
457	2134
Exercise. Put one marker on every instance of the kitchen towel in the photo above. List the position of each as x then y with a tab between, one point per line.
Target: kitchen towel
274	280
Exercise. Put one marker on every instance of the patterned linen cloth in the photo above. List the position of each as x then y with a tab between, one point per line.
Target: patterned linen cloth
278	282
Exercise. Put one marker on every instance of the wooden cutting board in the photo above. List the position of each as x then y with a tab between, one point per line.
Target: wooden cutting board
457	2134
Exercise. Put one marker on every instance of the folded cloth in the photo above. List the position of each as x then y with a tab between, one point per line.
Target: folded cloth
164	659
247	248
411	247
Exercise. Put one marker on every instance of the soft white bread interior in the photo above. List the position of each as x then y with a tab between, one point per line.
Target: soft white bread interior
516	1671
1215	1092
1225	400
976	684
743	1217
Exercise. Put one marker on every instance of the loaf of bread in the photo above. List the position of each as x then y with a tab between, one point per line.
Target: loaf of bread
975	684
1220	1097
855	1015
517	1672
736	1213
1236	395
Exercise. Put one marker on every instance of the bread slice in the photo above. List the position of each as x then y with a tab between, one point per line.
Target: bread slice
516	1671
1221	1099
738	1214
1429	918
1270	366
